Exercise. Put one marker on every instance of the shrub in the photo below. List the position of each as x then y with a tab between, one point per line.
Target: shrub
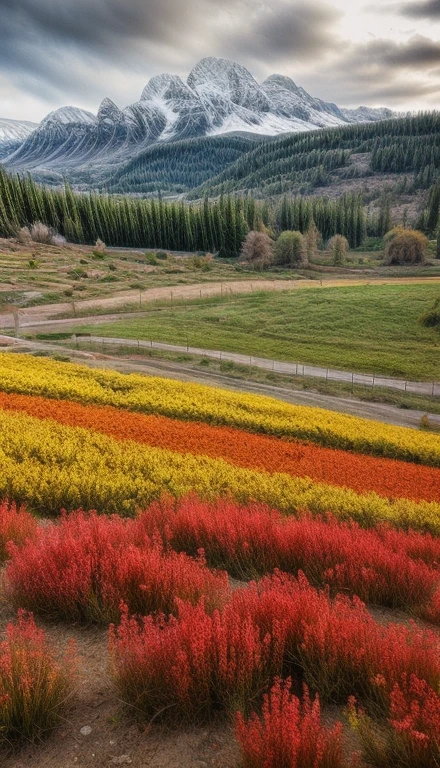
197	664
405	246
100	246
34	688
16	525
40	233
257	250
289	733
58	240
412	738
162	255
193	666
290	249
338	247
431	319
91	563
151	259
24	235
253	540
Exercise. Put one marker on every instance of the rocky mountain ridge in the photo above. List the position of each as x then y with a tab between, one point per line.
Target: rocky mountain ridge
219	97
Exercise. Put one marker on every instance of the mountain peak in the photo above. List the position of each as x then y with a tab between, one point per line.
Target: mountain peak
281	81
166	87
66	115
109	112
229	79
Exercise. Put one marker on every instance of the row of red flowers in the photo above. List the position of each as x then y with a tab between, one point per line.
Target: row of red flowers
91	563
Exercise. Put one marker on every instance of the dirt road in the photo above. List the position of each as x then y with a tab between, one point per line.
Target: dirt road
32	316
151	367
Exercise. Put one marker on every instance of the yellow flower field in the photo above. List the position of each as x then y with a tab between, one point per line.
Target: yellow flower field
50	467
35	376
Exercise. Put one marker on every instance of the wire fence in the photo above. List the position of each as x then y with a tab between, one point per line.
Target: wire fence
431	389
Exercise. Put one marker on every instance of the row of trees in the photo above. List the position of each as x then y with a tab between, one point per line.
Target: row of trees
219	226
214	226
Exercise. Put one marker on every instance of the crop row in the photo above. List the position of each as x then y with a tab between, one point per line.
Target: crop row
381	566
194	665
386	477
193	402
92	563
50	467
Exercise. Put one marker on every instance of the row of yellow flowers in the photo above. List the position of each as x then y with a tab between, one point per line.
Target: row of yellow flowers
51	466
36	376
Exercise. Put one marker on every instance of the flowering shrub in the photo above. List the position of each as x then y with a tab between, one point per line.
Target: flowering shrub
336	644
254	540
91	563
16	525
412	738
289	733
196	663
190	667
34	688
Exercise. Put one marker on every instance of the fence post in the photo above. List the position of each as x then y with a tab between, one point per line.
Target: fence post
433	388
352	381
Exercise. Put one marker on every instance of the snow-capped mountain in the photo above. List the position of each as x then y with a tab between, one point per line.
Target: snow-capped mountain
218	97
13	133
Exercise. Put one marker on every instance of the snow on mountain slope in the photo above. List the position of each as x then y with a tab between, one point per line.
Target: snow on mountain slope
12	134
15	130
219	97
69	116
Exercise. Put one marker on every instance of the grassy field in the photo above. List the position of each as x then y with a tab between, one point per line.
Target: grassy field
370	328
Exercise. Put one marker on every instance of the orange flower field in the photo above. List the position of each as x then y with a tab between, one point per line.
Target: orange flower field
387	477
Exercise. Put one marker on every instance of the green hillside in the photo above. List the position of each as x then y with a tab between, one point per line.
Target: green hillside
300	163
179	166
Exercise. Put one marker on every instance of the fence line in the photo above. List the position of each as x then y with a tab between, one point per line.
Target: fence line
275	366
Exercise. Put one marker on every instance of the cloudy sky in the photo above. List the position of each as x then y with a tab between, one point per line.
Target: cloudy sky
58	52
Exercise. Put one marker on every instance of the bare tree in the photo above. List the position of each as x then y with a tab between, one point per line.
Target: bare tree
257	250
312	242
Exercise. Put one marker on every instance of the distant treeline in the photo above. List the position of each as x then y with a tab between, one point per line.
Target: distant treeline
219	226
304	161
175	167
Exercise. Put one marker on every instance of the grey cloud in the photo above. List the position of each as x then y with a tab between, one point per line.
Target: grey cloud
285	29
409	72
426	9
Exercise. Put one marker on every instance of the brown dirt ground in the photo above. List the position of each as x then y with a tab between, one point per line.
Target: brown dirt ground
115	739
